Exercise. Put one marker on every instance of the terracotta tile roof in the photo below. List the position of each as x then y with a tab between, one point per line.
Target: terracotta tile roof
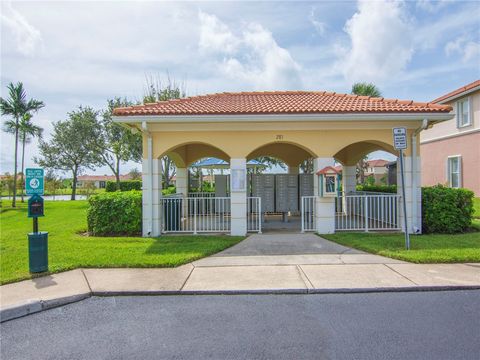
328	169
102	177
458	92
279	102
377	163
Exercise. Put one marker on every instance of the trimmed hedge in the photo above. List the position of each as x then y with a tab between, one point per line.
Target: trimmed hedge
125	185
446	210
115	213
392	189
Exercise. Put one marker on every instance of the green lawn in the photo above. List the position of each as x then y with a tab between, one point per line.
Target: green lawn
476	206
68	249
432	248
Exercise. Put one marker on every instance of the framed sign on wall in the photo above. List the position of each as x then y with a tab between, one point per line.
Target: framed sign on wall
238	180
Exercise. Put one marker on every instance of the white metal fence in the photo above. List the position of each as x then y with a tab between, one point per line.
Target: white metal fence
307	209
254	214
367	212
195	214
201	194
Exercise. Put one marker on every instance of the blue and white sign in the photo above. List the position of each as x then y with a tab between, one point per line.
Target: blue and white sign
34	184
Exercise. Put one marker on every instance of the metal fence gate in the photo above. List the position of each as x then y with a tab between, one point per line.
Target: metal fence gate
205	214
367	211
195	214
307	209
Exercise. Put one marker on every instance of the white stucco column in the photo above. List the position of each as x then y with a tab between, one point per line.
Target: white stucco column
151	193
349	178
324	206
412	189
293	170
238	196
181	181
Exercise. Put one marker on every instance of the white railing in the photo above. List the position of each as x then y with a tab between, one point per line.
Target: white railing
307	210
254	214
201	194
195	214
367	212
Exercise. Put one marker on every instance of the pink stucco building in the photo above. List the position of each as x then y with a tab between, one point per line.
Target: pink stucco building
450	150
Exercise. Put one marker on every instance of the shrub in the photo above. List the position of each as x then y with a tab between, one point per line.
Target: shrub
125	185
446	210
378	188
170	190
115	213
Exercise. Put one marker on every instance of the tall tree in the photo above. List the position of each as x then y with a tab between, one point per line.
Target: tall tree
156	90
361	168
307	166
17	106
28	131
72	146
270	162
117	144
366	89
135	174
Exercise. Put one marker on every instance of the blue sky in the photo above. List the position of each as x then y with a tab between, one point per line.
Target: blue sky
72	53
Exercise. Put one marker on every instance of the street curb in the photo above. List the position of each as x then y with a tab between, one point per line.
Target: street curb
287	291
34	306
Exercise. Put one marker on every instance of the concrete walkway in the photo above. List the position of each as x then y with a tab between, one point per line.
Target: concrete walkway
286	244
31	296
260	264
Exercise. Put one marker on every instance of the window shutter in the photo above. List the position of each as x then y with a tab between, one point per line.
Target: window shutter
449	173
460	180
457	115
470	110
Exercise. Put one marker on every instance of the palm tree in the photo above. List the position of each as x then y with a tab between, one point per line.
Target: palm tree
28	131
366	89
17	107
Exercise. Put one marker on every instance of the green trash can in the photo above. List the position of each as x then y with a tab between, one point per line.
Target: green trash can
38	251
172	213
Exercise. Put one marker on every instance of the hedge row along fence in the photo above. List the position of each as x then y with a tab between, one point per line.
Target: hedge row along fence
115	213
128	185
444	210
125	185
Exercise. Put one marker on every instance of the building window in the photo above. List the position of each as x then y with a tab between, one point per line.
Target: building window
455	171
463	113
102	184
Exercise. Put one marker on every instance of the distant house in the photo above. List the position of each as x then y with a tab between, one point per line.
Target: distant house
99	181
451	149
377	169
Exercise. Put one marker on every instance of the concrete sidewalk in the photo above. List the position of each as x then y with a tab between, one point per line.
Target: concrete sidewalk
237	275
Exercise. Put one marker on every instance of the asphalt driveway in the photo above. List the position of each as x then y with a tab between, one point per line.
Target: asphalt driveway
286	244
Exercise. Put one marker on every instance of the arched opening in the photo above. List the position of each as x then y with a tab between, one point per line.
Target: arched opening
372	162
281	192
291	154
178	175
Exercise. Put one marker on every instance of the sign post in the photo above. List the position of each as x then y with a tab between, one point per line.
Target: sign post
37	240
400	144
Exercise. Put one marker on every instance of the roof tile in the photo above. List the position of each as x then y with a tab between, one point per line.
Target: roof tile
279	102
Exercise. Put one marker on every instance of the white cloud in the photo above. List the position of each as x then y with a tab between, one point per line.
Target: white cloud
252	56
466	49
26	37
432	5
319	26
381	42
215	35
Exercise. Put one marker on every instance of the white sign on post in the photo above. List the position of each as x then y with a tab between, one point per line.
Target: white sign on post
400	144
399	138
